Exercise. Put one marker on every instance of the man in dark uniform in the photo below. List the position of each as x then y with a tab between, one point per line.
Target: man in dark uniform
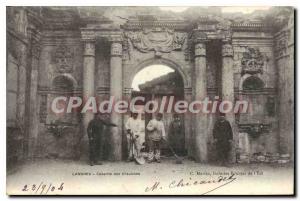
96	136
222	133
176	134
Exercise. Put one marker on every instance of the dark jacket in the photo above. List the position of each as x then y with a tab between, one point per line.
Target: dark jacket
96	127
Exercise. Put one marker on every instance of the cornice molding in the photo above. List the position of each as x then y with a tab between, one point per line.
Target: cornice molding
256	27
170	24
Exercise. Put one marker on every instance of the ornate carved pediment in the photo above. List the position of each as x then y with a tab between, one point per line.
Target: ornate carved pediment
160	40
252	61
63	58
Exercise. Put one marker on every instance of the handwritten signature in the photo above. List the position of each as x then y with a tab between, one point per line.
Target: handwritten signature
221	181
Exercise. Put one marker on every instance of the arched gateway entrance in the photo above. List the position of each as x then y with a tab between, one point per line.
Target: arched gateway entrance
172	80
165	86
135	46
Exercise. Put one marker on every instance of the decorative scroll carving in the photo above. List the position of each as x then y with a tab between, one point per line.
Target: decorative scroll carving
160	40
63	58
252	61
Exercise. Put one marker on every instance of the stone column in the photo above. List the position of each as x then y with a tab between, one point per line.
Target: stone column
188	126
116	92
200	120
33	84
127	93
228	88
88	79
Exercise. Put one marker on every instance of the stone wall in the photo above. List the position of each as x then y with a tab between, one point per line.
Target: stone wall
46	61
284	54
20	52
253	59
60	63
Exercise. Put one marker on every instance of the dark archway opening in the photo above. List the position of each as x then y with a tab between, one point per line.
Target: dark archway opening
253	83
154	83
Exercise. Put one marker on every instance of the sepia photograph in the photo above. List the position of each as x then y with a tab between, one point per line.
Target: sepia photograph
150	100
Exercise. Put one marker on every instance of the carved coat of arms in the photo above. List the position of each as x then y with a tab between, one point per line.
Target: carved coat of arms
252	61
159	40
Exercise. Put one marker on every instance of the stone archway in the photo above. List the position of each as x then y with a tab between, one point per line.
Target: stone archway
161	61
186	92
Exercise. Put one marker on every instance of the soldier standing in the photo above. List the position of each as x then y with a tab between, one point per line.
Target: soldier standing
176	134
96	136
157	133
222	133
135	135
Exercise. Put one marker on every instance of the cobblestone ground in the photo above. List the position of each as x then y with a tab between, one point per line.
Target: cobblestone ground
77	177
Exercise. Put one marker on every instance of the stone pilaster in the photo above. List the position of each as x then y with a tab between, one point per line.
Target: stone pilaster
200	120
284	55
188	126
227	73
33	119
228	87
30	142
116	87
88	78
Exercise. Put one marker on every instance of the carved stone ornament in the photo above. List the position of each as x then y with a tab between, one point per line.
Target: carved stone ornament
227	50
89	48
281	45
160	40
252	61
200	49
116	49
63	58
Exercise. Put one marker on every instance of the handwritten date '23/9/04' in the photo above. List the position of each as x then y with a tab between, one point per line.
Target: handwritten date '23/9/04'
43	188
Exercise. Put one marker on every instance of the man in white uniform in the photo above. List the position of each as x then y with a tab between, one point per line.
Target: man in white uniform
156	128
135	135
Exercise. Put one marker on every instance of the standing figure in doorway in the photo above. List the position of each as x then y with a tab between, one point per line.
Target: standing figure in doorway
157	132
222	134
176	134
95	132
135	136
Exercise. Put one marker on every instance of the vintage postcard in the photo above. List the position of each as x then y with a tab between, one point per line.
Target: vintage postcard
150	100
